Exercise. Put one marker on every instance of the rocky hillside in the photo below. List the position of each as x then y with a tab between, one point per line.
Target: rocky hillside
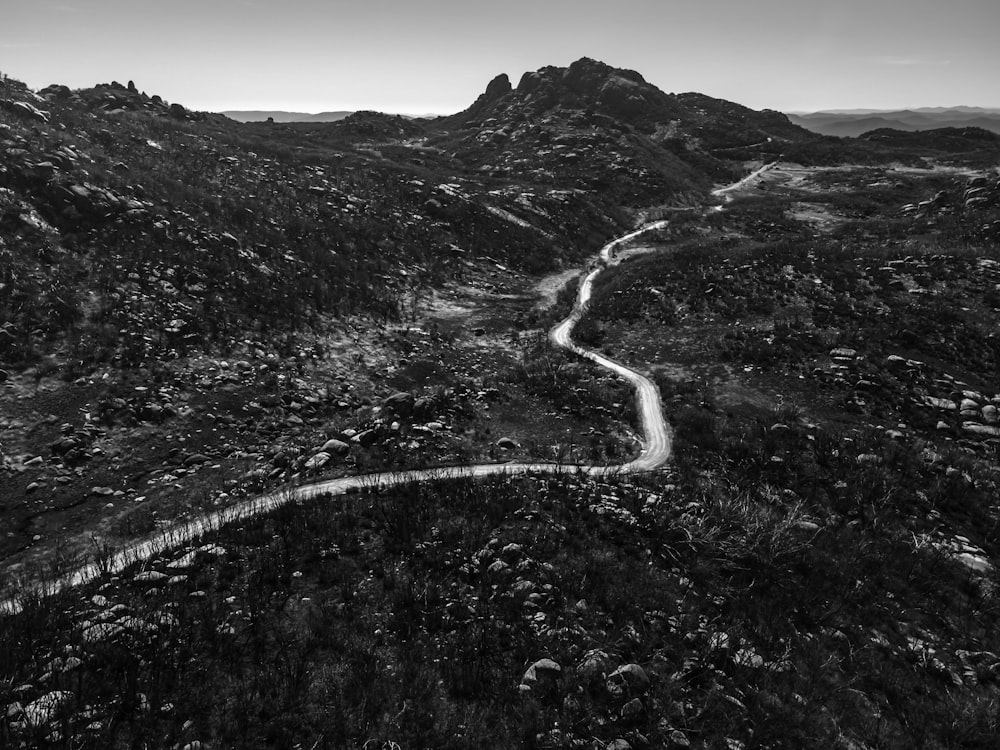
950	140
601	128
180	292
191	307
123	217
194	310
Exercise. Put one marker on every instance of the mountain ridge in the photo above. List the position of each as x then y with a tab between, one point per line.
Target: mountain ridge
850	124
281	116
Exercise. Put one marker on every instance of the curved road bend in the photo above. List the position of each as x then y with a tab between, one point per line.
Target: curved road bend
656	451
724	192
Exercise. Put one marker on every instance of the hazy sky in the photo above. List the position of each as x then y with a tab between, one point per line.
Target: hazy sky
422	56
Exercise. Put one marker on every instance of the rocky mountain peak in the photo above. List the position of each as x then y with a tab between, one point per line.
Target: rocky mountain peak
587	74
497	88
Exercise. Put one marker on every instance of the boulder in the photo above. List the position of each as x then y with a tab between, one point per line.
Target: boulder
633	709
512	552
365	439
150	576
336	447
941	403
595	666
101	632
628	678
25	110
981	429
497	567
57	92
401	403
318	461
975	563
65	445
542	675
843	354
42	711
424	406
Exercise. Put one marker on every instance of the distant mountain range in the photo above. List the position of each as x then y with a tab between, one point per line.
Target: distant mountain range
252	115
852	123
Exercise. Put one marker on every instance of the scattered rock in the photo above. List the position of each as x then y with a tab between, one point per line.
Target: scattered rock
628	678
975	563
365	439
400	403
542	675
595	666
981	429
150	576
43	710
633	709
318	461
336	447
102	631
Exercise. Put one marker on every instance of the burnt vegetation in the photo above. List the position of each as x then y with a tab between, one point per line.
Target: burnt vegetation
194	310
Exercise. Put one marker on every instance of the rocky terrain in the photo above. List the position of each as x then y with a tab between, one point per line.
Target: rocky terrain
194	310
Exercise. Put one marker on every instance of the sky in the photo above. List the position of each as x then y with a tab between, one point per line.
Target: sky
437	56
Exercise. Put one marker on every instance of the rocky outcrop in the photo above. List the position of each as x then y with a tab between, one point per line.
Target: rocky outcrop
24	109
496	90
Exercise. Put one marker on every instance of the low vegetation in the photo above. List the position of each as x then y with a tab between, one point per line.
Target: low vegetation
193	311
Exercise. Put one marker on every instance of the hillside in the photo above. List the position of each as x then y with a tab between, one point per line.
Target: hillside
195	311
181	292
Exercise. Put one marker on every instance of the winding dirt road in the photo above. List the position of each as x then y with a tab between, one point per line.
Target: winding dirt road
657	443
724	192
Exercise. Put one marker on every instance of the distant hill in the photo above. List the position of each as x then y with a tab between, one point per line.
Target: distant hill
253	115
953	140
852	123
